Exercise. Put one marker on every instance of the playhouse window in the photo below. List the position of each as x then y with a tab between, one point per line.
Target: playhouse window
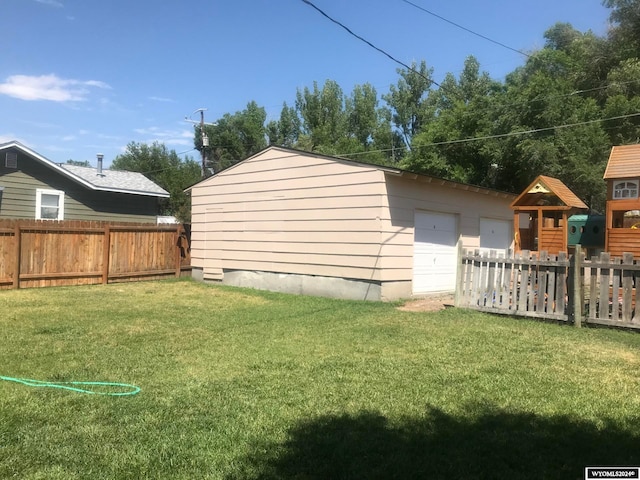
49	204
628	189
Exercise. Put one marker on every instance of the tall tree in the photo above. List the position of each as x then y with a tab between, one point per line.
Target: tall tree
285	131
462	109
324	122
165	168
407	100
234	137
369	130
625	31
548	92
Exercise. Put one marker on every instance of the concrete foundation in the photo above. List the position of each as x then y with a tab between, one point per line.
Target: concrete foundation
350	289
197	274
396	290
305	284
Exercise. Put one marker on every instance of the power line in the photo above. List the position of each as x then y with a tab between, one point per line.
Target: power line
466	29
186	151
576	92
503	135
368	42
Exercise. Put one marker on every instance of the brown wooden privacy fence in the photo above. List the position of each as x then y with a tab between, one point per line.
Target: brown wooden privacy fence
37	253
601	290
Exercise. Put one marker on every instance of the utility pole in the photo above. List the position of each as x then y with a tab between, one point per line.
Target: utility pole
205	138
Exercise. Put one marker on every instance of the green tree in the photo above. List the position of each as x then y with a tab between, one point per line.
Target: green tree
234	137
354	125
547	92
285	131
79	163
324	121
165	168
407	100
461	109
369	127
625	31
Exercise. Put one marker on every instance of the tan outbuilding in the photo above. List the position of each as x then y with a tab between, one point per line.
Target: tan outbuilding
292	221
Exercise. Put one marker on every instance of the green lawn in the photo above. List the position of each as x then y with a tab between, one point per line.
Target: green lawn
240	384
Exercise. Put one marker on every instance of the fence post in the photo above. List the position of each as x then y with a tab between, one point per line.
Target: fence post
16	272
575	287
178	243
627	287
106	254
459	280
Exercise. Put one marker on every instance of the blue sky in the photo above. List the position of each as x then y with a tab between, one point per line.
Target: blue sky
79	77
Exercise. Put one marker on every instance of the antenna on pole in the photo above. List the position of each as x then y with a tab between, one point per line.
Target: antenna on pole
205	138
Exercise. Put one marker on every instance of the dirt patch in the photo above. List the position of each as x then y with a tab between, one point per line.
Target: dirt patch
431	303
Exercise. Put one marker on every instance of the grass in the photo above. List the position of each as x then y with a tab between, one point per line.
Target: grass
240	384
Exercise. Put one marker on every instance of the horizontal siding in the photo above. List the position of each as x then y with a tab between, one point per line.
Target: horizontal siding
198	237
289	214
309	226
18	199
251	215
272	165
623	240
405	196
293	213
301	202
310	172
293	191
552	240
318	247
302	258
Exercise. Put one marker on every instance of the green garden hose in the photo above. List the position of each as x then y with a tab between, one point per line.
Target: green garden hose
131	389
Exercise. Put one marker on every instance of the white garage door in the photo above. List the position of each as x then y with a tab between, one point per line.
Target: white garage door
495	235
434	252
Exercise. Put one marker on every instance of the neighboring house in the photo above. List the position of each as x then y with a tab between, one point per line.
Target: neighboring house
541	215
32	186
623	204
301	222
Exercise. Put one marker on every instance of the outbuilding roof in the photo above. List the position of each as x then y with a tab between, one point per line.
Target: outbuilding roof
624	162
118	181
548	190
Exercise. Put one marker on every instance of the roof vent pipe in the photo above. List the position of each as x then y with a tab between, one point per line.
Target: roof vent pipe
100	157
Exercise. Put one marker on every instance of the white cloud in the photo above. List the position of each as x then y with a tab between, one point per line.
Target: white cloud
180	137
52	3
48	87
97	83
161	99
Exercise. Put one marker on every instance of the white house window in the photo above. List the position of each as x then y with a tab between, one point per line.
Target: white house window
628	189
49	204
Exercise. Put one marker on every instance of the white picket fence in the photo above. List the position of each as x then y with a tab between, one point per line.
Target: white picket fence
554	287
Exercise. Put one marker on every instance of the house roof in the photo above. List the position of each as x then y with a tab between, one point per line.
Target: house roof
108	181
390	170
624	162
116	179
544	189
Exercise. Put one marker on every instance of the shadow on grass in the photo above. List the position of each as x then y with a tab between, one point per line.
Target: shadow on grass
489	444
